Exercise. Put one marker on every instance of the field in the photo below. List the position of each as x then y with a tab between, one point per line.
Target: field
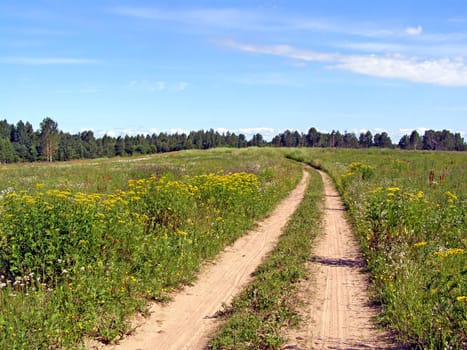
409	212
83	245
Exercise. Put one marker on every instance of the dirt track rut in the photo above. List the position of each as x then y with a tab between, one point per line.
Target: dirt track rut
338	315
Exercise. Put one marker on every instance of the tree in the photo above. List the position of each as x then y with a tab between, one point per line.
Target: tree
242	142
23	140
459	144
7	152
350	140
382	140
119	147
256	140
312	137
5	129
89	144
404	142
48	138
415	141
366	139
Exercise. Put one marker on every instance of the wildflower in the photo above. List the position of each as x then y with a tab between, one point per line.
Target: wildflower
64	271
376	190
462	298
447	252
420	244
393	189
181	233
451	197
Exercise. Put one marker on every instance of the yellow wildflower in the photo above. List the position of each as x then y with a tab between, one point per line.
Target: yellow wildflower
447	252
420	244
393	189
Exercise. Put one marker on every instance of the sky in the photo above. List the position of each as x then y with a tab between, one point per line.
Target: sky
128	67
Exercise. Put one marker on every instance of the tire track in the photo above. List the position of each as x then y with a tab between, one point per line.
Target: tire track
339	315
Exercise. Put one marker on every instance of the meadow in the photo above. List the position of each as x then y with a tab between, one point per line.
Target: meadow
409	213
84	245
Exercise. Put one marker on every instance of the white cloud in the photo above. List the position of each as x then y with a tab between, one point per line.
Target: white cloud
181	86
440	49
85	90
444	72
264	20
179	131
414	31
47	60
155	86
101	133
213	17
280	50
457	20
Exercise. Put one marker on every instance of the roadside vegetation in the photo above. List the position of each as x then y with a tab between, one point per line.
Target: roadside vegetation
257	317
85	245
409	212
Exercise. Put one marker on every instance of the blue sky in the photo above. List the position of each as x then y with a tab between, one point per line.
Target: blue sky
246	66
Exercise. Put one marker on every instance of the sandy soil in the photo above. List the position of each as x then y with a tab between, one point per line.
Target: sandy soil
338	314
187	321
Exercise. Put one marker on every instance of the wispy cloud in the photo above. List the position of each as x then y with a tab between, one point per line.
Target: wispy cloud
264	20
156	86
457	20
414	31
281	50
180	86
85	90
47	60
445	72
441	49
214	17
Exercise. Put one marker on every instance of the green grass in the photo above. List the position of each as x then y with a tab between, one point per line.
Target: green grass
78	257
409	211
257	317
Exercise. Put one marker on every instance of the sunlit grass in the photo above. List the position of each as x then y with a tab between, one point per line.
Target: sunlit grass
76	260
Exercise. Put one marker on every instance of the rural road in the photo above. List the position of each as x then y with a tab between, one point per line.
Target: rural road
187	321
338	314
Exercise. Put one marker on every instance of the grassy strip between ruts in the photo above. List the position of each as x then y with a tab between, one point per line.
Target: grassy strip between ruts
257	316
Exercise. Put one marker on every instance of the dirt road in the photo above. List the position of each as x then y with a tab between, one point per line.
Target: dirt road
339	315
187	321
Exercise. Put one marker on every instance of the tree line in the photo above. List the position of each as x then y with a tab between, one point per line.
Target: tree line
21	143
